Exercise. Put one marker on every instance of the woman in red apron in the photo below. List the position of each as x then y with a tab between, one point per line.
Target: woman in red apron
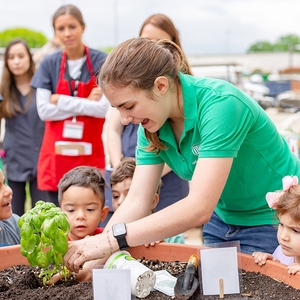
70	102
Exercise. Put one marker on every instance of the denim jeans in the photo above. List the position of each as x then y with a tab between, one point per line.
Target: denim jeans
252	238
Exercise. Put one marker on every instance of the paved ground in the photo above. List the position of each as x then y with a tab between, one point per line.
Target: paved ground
283	121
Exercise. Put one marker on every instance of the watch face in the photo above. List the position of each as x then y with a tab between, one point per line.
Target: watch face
119	229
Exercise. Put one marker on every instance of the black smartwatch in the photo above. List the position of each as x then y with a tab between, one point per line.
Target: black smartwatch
119	232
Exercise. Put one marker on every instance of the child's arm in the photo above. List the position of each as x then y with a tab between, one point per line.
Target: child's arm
260	258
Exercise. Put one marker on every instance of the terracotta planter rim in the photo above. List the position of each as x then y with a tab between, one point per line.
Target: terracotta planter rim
173	252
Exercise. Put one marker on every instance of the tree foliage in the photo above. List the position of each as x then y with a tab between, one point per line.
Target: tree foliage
34	39
283	44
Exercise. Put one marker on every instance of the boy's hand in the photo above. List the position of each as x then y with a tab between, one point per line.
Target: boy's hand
55	279
260	258
294	268
153	244
85	274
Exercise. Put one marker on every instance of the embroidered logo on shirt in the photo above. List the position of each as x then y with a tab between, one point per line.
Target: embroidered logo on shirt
196	149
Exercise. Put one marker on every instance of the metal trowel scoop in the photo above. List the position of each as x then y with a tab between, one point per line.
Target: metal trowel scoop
187	283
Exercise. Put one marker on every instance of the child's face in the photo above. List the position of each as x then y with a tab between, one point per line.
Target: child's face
5	199
288	235
84	210
119	192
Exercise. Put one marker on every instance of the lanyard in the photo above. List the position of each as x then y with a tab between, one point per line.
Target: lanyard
74	91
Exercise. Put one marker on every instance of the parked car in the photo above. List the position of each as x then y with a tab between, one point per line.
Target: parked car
257	90
233	73
289	100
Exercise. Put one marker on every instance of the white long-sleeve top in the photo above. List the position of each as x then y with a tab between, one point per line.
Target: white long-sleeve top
69	106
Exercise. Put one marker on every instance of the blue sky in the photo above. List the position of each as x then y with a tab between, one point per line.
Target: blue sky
206	27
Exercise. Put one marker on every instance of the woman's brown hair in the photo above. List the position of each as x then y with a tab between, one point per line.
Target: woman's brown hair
71	10
10	105
137	63
165	23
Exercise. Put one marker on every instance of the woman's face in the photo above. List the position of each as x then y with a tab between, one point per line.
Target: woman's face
154	33
137	108
18	60
69	30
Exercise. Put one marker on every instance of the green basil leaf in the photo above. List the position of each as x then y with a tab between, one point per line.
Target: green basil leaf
42	259
26	231
61	243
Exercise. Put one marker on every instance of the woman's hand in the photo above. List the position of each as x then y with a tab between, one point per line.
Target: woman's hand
85	250
54	98
95	94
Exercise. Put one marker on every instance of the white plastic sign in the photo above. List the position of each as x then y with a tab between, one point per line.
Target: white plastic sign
216	264
111	284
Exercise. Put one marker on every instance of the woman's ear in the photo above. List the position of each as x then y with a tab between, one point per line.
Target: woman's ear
161	84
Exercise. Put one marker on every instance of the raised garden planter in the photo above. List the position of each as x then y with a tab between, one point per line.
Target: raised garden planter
10	256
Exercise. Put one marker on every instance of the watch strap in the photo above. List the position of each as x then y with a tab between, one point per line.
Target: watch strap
122	242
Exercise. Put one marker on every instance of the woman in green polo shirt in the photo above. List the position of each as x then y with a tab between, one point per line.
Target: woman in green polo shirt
208	132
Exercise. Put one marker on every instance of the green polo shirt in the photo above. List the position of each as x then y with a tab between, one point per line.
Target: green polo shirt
222	121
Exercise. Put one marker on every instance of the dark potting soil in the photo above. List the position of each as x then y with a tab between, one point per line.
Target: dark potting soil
21	282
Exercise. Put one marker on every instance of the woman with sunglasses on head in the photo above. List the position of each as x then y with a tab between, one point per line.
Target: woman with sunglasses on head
70	102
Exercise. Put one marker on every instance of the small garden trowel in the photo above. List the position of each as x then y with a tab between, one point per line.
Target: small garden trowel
187	283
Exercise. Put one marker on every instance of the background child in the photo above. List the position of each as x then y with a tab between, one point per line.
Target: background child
120	182
287	206
9	230
81	197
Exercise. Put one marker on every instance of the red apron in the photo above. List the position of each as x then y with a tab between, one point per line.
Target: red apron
51	166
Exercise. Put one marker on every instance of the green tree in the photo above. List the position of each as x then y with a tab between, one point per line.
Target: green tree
286	43
262	46
34	39
283	44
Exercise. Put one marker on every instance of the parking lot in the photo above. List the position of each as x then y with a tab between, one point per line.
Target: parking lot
284	120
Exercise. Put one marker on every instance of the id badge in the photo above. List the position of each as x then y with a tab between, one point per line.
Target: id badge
73	130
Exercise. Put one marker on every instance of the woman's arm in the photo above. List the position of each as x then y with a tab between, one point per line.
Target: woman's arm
83	106
114	133
196	209
67	106
46	110
166	170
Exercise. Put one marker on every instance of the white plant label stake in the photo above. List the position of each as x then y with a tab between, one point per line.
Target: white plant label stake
219	263
112	284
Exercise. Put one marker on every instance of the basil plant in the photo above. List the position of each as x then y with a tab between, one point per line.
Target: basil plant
44	239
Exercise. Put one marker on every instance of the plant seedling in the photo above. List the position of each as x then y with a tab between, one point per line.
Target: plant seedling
44	239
